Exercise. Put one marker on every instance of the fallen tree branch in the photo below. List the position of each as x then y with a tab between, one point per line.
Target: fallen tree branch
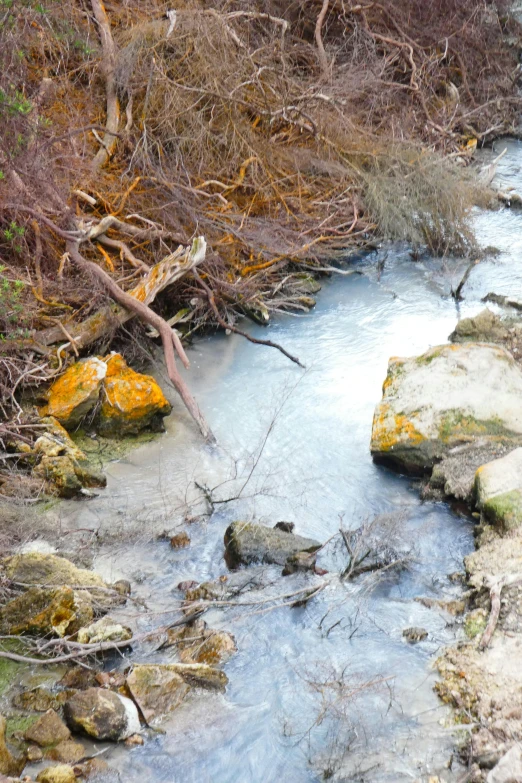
169	338
225	325
113	104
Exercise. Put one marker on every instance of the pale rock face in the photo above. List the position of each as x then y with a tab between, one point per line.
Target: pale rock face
449	396
498	487
508	769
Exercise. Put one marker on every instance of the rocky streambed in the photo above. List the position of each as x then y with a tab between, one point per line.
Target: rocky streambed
236	671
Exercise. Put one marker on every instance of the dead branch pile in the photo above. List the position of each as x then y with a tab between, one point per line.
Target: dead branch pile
281	132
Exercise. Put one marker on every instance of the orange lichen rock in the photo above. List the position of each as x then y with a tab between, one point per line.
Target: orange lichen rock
76	392
131	401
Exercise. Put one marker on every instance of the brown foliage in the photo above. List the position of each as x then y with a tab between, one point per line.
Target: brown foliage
281	131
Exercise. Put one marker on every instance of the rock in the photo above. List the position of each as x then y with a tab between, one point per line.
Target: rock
42	611
48	730
301	561
68	752
131	401
62	463
158	689
122	586
61	773
486	327
75	393
102	714
97	770
455	473
414	635
286	527
34	568
41	699
9	765
34	753
196	643
246	542
78	678
498	487
508	769
104	630
449	396
135	739
179	541
454	607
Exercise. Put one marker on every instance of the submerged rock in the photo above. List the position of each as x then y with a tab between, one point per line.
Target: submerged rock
159	688
41	699
102	714
498	487
455	474
48	730
449	396
75	393
246	542
42	610
197	643
61	773
131	401
415	635
9	764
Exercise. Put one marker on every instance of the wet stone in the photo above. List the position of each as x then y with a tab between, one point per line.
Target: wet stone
247	542
48	730
102	714
61	773
415	634
68	752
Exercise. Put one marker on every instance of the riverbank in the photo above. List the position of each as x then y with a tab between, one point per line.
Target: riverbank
283	138
468	440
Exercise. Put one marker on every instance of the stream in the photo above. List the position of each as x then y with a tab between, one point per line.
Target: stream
298	706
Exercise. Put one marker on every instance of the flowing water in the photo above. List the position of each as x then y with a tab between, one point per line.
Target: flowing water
296	708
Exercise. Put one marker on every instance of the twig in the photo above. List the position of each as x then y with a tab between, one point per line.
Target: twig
225	325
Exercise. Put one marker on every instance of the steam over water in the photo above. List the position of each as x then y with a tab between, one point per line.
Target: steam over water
315	470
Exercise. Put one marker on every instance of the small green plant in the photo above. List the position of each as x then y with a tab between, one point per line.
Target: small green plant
16	103
13	234
11	306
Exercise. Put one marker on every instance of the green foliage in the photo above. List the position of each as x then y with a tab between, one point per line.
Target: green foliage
14	103
11	305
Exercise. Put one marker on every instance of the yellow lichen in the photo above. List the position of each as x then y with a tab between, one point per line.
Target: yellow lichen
130	400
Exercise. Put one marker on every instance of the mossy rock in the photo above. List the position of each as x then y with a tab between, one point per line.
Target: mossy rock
247	542
41	611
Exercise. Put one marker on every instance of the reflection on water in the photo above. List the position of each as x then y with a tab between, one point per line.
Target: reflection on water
315	470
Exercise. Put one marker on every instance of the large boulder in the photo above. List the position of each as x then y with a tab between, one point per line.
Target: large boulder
58	611
102	714
131	401
246	542
498	487
449	396
62	464
158	689
75	393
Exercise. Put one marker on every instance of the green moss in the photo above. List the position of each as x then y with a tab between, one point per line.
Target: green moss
100	450
457	424
429	356
505	509
20	722
475	623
